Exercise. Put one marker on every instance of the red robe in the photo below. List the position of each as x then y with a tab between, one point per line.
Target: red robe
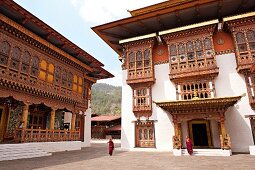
111	147
189	146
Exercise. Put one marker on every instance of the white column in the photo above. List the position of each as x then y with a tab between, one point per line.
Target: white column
87	126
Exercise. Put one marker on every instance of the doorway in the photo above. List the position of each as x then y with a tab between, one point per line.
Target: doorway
200	133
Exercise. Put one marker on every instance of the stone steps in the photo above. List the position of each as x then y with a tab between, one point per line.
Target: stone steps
20	151
208	152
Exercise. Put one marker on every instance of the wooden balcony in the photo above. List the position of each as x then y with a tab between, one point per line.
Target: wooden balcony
245	60
140	76
191	69
45	135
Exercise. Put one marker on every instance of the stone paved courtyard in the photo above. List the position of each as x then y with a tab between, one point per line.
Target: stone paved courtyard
96	157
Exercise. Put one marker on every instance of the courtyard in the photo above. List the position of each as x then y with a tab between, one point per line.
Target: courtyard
96	157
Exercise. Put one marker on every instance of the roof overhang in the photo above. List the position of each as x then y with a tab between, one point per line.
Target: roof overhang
169	15
26	20
198	105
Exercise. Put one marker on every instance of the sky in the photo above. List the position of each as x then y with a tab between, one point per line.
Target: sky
74	19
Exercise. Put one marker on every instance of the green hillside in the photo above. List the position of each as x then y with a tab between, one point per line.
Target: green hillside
106	99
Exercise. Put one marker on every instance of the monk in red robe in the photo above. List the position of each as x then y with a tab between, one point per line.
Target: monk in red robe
189	145
111	147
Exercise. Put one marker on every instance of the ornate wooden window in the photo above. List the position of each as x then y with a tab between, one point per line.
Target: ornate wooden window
58	75
4	53
64	78
35	66
250	84
50	76
80	85
199	49
140	64
147	59
245	48
251	39
145	134
46	71
203	89
77	84
15	58
69	80
139	60
142	99
191	56
131	61
25	62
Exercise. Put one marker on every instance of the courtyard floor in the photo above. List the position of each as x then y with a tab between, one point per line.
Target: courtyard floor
96	158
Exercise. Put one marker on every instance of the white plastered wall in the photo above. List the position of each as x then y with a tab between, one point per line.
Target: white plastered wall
127	115
162	90
230	83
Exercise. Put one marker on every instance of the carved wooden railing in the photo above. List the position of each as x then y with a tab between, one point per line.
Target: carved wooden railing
45	135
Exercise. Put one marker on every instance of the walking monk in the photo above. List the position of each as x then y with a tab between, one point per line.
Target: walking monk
189	145
111	146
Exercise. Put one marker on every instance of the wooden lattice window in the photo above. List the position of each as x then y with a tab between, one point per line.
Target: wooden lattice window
251	39
64	78
199	49
208	47
173	53
35	66
241	43
139	60
50	76
25	62
77	84
147	58
4	53
190	51
188	90
141	97
131	58
58	75
181	52
46	71
145	134
69	80
15	58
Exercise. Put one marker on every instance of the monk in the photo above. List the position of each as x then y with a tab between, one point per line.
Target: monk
111	146
189	145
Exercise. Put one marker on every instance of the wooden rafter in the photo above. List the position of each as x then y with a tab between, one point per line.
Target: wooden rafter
178	18
162	26
128	30
112	35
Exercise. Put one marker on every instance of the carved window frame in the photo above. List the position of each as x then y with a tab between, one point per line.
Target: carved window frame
141	97
197	52
25	63
5	49
15	58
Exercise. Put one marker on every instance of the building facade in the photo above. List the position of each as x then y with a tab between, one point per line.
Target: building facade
45	81
187	71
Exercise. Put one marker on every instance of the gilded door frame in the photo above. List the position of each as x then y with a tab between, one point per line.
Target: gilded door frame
208	130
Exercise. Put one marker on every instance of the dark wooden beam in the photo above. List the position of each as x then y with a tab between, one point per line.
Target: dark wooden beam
128	30
112	35
198	14
141	24
241	6
162	26
219	9
178	18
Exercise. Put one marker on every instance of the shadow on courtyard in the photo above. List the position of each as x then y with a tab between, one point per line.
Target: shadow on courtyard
93	152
